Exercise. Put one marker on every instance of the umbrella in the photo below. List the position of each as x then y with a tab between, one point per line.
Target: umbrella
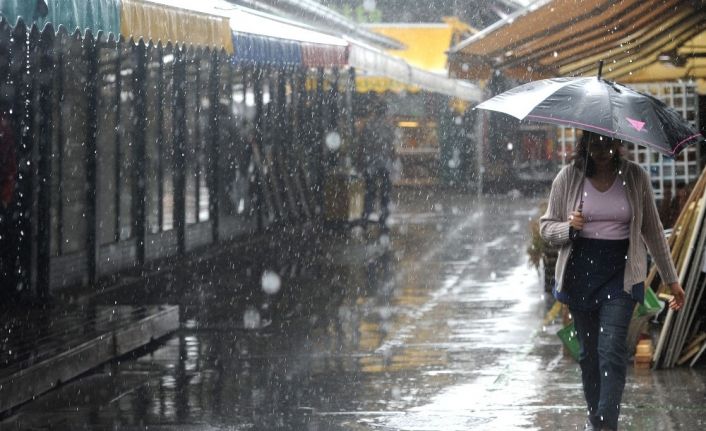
600	106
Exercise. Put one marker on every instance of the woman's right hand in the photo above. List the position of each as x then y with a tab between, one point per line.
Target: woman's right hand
576	220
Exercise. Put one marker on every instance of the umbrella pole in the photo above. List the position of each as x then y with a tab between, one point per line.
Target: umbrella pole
575	233
600	69
583	180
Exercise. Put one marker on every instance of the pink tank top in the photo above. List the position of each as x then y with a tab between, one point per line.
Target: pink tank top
607	215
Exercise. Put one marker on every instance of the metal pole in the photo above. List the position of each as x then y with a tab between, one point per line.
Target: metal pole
44	136
160	137
21	203
117	138
139	82
91	58
214	144
197	149
179	133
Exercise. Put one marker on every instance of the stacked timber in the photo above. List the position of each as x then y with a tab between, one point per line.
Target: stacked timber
682	338
643	353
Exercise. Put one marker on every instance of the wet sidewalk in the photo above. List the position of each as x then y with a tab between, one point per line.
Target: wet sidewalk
437	326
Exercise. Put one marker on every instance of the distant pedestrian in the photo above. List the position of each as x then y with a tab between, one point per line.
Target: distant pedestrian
377	141
602	262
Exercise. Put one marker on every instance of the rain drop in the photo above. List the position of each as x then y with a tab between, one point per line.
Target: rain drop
271	282
251	318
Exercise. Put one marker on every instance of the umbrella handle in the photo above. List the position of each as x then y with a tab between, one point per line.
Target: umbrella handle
575	233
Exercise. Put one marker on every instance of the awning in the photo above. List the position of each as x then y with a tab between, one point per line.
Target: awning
426	44
265	50
82	14
159	21
317	55
687	62
373	62
380	84
256	49
565	37
266	39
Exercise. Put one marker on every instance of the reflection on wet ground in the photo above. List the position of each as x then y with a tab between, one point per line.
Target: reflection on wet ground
436	327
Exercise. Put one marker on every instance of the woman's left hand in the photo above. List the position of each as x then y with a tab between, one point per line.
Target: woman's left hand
678	296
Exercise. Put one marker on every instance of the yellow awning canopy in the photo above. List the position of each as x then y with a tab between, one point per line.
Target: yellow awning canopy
380	84
426	44
686	62
141	19
426	47
566	37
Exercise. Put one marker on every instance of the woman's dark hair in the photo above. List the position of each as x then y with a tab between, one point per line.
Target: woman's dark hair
581	152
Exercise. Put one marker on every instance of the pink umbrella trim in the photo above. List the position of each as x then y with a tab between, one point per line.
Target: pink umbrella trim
615	133
684	142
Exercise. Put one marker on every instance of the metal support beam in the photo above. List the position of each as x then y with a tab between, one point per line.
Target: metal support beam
261	210
139	201
90	56
44	166
196	151
318	149
160	137
117	138
214	144
179	135
19	270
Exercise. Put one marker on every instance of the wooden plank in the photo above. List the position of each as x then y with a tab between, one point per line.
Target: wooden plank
663	333
33	344
28	383
694	236
146	330
694	292
686	231
696	341
693	295
688	354
698	355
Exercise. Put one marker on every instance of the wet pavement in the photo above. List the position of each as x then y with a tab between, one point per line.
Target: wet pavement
437	326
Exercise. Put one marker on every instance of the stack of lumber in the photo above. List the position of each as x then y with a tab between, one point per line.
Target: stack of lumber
643	354
679	336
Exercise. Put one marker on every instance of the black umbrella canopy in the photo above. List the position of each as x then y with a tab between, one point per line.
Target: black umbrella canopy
600	106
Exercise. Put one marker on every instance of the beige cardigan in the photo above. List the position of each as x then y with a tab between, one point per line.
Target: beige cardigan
645	226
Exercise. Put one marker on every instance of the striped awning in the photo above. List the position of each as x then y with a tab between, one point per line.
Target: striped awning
317	55
566	37
158	21
256	49
267	39
82	14
372	62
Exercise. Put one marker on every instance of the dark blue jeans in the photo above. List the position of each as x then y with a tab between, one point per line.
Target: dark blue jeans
603	358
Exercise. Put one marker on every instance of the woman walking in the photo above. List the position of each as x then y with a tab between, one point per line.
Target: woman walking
602	262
